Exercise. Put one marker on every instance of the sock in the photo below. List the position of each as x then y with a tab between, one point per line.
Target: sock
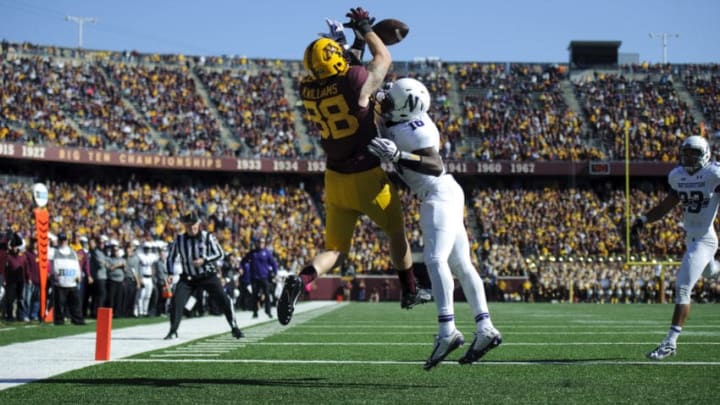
446	325
308	274
482	320
422	278
673	334
407	280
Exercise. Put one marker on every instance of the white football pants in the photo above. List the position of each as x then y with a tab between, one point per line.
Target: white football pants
447	250
700	253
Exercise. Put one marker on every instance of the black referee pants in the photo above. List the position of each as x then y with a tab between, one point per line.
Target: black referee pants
187	286
261	287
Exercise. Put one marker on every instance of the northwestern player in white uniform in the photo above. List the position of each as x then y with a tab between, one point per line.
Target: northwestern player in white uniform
411	142
695	184
145	273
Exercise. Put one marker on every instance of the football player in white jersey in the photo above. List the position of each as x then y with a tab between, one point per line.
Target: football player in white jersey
411	142
695	184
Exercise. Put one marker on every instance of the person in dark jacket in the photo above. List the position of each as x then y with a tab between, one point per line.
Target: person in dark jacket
16	271
260	267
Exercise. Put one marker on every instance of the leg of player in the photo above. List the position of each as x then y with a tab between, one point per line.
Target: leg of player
401	258
448	338
295	284
698	260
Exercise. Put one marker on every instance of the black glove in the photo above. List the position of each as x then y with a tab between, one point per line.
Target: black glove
360	21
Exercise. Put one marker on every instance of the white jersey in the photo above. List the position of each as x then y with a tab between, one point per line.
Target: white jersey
146	262
699	197
65	267
446	250
410	136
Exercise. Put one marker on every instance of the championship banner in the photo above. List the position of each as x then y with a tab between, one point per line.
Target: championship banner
42	227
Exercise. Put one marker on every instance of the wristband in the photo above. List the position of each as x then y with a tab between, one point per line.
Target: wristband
409	156
364	27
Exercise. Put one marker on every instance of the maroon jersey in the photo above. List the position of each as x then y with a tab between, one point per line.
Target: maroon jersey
345	127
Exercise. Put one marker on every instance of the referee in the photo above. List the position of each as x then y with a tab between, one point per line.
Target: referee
197	251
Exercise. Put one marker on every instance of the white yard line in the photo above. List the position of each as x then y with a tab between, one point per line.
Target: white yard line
40	359
614	343
447	362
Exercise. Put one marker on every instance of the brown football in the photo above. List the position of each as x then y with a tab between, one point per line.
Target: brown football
391	31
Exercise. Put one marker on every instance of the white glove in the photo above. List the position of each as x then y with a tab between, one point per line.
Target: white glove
337	31
385	149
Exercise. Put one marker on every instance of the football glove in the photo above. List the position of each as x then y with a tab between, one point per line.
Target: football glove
385	149
360	21
336	31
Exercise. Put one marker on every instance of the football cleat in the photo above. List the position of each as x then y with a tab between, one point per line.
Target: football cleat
443	347
288	298
665	349
237	333
421	296
171	335
486	340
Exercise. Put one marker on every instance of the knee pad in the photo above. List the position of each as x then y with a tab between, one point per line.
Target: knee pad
683	294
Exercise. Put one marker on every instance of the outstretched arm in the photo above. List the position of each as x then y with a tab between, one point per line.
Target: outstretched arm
657	212
378	67
663	208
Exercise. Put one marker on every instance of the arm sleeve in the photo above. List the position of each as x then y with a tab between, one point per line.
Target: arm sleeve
214	251
170	261
273	263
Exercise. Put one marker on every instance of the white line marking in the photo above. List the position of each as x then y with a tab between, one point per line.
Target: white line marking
504	343
499	325
514	333
219	346
414	363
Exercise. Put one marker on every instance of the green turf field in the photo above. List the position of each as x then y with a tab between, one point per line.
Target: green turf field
373	353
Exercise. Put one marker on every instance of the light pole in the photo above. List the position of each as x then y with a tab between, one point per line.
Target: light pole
664	37
80	22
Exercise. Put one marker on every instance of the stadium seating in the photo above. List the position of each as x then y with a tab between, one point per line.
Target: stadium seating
552	231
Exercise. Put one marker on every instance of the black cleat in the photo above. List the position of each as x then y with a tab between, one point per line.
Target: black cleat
409	300
237	333
171	335
288	298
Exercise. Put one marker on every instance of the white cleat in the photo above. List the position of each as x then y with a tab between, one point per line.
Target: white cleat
443	347
485	340
664	350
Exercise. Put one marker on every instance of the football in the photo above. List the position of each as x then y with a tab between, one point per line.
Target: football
391	31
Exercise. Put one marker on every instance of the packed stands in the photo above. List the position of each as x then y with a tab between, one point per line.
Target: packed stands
552	231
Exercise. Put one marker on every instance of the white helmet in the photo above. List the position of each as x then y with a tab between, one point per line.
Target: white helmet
694	153
403	100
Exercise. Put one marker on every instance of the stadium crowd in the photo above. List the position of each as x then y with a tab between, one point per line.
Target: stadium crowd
490	111
517	232
518	112
655	118
172	104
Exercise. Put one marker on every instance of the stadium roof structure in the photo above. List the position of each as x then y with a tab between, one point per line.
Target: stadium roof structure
586	54
615	44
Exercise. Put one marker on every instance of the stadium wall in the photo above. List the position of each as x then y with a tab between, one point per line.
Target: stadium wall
51	154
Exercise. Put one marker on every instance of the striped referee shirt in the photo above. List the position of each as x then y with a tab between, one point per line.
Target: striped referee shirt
187	248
